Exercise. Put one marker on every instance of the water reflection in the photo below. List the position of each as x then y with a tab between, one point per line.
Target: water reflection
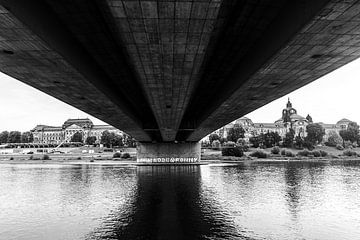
169	204
290	200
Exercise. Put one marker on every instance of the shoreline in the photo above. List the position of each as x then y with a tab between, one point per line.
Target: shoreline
212	162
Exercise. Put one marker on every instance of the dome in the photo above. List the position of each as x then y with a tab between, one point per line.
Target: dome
296	117
343	121
280	120
81	122
244	121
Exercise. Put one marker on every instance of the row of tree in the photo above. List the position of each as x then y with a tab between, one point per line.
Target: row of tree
16	137
315	134
111	139
108	139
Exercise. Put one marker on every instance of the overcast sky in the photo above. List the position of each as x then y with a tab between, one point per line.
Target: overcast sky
330	98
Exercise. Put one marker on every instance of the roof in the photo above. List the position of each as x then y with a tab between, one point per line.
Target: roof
230	125
41	127
328	125
243	120
267	125
343	121
296	117
49	128
280	120
103	127
81	122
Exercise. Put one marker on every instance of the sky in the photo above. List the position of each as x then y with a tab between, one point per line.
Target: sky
328	99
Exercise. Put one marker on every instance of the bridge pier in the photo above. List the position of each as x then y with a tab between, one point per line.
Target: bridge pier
169	153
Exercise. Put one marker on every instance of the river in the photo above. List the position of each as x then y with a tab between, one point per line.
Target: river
288	200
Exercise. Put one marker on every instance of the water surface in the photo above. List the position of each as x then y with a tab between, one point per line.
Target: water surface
290	200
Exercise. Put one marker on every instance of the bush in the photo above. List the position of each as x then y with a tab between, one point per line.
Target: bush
230	144
117	155
11	158
323	153
333	139
125	155
339	147
275	150
349	153
283	152
78	158
46	157
304	153
232	151
259	154
316	154
242	144
348	144
255	141
215	145
289	154
308	144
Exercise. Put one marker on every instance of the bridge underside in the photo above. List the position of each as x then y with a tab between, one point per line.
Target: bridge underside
166	71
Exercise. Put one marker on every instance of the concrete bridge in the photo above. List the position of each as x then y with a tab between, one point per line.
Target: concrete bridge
170	72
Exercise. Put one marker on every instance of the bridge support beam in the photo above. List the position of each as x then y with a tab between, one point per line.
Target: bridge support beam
169	153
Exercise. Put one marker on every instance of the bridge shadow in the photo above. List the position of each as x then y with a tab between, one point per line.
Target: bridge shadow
169	204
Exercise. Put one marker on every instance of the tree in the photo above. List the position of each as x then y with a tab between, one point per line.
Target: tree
117	140
27	137
241	143
213	137
235	133
289	138
90	140
315	133
351	133
215	144
334	139
299	142
129	141
110	139
77	137
271	139
257	141
4	137
14	137
106	138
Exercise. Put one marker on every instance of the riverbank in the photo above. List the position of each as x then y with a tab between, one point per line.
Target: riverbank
207	157
205	161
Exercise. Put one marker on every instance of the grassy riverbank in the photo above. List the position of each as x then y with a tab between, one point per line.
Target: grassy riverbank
207	156
332	154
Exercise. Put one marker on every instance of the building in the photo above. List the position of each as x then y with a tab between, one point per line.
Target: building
289	119
337	127
56	135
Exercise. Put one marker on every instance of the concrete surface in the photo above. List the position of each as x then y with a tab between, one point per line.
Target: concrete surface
168	70
169	152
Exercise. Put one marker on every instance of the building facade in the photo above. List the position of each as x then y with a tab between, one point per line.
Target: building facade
289	119
63	134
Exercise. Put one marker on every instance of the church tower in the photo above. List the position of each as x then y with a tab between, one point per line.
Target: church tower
288	111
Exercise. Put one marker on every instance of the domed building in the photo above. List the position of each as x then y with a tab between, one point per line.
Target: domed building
343	123
290	119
